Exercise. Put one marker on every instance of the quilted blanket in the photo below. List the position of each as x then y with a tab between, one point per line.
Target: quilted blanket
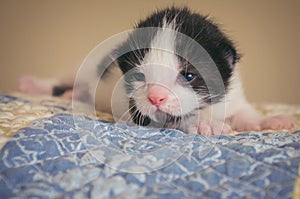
49	152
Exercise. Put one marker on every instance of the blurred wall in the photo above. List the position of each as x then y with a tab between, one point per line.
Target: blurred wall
45	38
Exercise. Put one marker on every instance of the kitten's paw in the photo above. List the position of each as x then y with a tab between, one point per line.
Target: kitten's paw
213	128
277	123
30	84
27	84
242	125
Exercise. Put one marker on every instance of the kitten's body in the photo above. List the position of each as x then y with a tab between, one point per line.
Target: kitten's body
160	84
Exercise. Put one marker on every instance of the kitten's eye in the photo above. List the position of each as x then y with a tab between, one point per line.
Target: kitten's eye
138	76
187	77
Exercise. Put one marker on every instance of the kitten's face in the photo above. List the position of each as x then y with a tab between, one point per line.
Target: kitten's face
161	84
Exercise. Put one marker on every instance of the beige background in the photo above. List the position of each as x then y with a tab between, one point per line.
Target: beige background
45	37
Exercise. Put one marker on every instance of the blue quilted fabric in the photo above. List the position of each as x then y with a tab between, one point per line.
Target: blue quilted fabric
67	156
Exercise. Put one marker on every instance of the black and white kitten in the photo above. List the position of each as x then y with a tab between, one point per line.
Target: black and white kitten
164	88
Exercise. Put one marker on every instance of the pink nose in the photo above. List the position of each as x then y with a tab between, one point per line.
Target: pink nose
158	95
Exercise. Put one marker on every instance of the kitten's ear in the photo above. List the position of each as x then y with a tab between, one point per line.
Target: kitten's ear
231	54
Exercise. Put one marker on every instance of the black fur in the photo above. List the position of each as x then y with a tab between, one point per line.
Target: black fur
197	27
60	90
137	116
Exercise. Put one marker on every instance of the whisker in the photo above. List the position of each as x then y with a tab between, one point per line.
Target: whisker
125	114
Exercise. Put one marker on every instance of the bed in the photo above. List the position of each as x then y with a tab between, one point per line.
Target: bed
49	152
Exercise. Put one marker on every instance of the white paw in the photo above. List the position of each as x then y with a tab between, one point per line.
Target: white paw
277	123
30	84
246	126
27	85
264	123
212	128
249	119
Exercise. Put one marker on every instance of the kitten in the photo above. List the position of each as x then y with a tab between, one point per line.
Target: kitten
168	82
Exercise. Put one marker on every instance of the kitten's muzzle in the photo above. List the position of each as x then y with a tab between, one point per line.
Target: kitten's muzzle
157	94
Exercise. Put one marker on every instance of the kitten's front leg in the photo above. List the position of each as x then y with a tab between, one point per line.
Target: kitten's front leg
244	119
249	119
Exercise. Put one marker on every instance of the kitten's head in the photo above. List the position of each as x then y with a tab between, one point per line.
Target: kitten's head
164	73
